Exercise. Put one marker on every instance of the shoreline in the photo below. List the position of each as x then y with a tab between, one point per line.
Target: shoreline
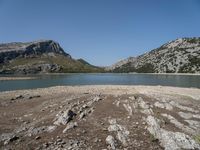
112	89
98	87
6	78
184	74
18	75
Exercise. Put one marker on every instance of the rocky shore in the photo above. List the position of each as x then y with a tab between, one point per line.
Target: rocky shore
16	78
100	117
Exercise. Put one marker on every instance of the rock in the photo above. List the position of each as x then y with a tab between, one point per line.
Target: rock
123	136
17	97
64	117
51	128
34	96
194	124
96	140
122	133
132	98
185	115
37	137
128	109
59	140
188	115
85	113
45	145
117	103
163	105
70	125
145	107
111	141
84	131
5	136
11	139
38	130
185	108
96	99
85	106
179	124
170	140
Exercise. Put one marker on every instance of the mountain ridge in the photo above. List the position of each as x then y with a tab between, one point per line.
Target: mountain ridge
178	56
43	56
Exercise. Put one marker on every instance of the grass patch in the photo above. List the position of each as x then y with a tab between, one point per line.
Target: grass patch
197	138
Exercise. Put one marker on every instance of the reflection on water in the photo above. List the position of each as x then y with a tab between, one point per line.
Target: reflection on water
102	79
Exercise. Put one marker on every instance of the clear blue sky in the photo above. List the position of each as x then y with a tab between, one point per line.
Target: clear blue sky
100	31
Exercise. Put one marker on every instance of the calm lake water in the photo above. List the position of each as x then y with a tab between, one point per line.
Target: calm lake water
102	79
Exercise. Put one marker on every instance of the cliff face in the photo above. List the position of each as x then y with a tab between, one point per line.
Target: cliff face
11	51
38	57
178	56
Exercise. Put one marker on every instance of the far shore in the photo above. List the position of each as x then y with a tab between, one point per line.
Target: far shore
34	76
16	78
185	74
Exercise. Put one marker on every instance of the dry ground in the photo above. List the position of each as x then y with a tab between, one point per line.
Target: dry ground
100	117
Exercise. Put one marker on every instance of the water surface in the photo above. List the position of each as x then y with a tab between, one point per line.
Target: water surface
102	79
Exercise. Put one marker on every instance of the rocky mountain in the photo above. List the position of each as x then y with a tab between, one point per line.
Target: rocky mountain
178	56
121	63
39	57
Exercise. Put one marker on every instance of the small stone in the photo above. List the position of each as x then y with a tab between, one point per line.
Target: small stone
11	139
111	141
37	137
64	117
71	125
19	97
95	140
132	98
45	145
34	96
51	128
85	106
83	114
84	131
59	140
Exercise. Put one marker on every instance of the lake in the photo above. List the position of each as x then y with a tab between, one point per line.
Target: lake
102	79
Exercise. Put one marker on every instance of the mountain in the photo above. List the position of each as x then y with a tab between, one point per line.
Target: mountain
42	56
84	62
179	56
121	63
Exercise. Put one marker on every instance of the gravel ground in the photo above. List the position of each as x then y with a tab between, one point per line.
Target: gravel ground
100	117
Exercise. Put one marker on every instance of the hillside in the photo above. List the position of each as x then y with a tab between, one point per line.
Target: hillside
178	56
39	57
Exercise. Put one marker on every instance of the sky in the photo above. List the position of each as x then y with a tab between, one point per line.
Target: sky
100	31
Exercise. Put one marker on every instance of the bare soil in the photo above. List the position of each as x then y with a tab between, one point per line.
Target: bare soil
26	116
